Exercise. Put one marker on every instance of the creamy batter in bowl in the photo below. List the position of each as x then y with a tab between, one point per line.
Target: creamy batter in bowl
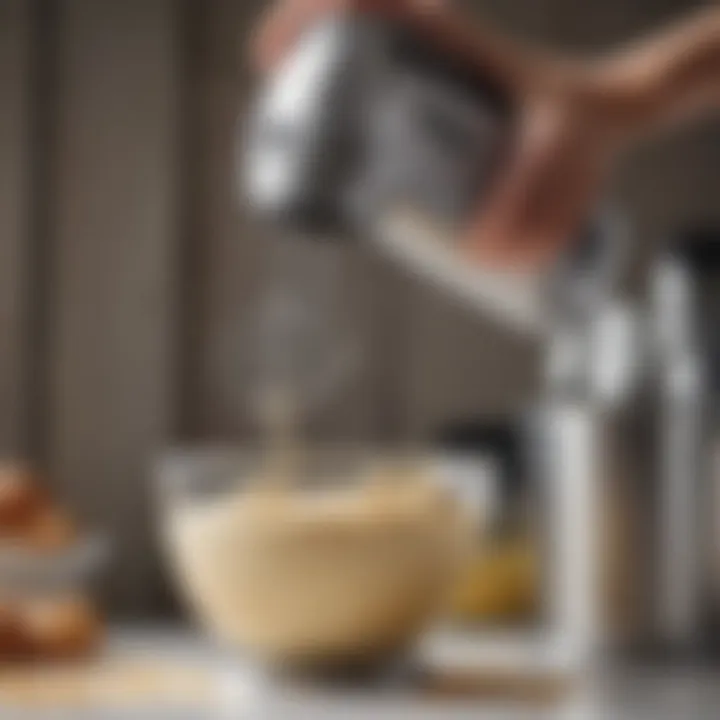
346	565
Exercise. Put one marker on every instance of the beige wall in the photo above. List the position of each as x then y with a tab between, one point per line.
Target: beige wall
126	267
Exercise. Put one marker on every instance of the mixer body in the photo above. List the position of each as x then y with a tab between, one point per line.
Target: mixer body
365	120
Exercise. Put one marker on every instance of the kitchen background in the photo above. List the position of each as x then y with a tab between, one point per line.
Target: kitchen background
127	269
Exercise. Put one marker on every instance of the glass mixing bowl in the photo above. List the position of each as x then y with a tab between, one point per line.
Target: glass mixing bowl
344	567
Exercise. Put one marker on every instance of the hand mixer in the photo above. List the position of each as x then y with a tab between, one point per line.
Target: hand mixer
369	131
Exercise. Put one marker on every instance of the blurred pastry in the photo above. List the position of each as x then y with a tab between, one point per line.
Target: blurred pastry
62	628
21	498
51	530
14	642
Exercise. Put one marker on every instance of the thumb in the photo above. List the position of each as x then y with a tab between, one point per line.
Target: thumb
540	196
281	26
286	21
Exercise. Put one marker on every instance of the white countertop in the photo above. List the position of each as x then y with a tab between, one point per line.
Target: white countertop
231	689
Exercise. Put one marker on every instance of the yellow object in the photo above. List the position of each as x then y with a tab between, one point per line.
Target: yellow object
500	585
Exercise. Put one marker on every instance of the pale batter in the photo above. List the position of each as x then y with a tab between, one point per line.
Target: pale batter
347	572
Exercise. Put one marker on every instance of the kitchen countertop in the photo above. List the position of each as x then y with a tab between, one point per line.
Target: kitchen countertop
177	675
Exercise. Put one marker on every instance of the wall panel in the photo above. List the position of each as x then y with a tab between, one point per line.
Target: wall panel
113	266
15	228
